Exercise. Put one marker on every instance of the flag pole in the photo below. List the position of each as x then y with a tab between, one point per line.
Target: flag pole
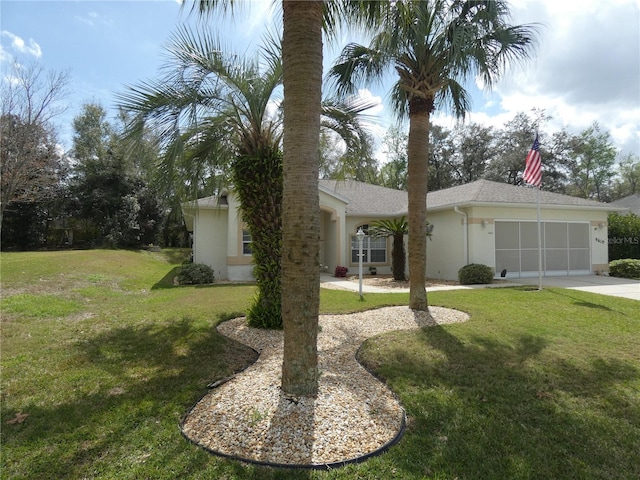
533	176
539	241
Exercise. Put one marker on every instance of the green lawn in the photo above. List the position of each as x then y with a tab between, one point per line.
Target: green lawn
104	356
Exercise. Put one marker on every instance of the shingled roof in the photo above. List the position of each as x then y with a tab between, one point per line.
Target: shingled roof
372	200
632	202
364	199
485	192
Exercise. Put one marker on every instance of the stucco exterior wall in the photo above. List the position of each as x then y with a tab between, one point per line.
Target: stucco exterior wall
210	239
239	266
333	251
445	248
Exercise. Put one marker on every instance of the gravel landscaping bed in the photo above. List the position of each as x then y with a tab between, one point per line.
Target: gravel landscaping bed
353	416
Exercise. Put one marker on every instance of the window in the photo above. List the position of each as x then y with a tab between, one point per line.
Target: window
373	250
246	243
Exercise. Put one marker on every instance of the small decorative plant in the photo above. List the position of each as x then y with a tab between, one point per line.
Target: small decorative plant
373	270
341	271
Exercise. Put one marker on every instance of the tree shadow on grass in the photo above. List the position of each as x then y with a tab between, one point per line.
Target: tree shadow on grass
479	408
582	303
146	378
167	280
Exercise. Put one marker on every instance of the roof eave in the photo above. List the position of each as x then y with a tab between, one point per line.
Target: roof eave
548	206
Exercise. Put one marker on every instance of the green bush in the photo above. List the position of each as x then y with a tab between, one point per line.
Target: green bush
195	274
625	268
475	273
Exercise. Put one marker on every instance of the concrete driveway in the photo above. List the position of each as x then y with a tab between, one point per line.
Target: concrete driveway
617	287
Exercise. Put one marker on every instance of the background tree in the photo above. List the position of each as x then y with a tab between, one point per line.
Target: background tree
346	147
627	181
442	154
475	147
113	206
433	46
31	162
393	173
592	164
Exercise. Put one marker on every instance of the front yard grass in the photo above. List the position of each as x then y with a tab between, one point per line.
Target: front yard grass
101	356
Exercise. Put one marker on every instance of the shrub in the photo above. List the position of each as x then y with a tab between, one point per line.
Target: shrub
341	271
475	273
195	274
625	268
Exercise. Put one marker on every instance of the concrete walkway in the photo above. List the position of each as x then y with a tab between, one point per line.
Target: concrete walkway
619	287
329	281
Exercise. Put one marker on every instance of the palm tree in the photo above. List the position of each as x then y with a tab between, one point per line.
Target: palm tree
216	106
433	45
396	228
302	78
213	109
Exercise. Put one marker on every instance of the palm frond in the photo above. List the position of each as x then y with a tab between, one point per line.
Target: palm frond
357	64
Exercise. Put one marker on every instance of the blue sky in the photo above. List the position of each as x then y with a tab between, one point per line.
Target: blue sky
587	67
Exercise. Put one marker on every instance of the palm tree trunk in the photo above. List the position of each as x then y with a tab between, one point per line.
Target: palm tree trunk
417	172
398	256
302	68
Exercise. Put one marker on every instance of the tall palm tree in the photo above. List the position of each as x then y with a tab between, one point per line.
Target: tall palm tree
302	75
434	46
216	106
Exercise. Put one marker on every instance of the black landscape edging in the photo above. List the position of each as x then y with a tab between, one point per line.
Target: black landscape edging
298	466
301	466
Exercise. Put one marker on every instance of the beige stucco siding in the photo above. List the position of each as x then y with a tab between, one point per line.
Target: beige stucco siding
239	265
210	239
445	248
333	251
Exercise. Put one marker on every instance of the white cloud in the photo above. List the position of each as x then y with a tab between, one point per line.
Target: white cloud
587	68
20	46
366	96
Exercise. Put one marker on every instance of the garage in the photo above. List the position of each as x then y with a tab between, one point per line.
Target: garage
565	248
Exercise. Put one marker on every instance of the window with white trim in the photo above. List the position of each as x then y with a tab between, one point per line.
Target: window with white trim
374	250
246	243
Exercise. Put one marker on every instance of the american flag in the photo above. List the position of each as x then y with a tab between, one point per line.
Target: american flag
533	169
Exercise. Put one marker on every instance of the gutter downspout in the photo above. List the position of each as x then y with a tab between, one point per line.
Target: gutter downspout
466	234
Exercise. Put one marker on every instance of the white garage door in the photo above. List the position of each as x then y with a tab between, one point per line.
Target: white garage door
565	248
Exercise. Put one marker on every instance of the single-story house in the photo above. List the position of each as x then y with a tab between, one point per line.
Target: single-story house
495	224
